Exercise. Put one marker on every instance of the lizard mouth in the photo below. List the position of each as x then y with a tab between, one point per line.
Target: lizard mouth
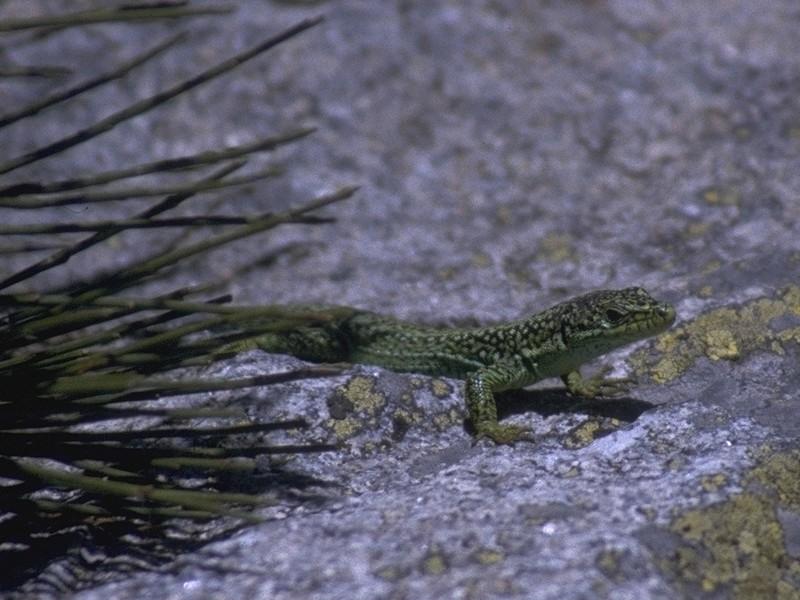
652	322
666	315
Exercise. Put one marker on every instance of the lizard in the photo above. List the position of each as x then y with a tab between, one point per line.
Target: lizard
490	359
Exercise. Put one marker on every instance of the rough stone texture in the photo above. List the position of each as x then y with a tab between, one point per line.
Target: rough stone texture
512	154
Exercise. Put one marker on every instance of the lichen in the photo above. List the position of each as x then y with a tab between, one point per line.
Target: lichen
558	248
780	474
361	392
355	403
713	483
724	196
741	545
448	419
588	431
434	563
391	573
738	544
488	556
481	260
345	428
728	333
440	388
610	562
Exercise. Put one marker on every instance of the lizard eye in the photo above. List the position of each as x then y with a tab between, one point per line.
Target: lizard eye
614	316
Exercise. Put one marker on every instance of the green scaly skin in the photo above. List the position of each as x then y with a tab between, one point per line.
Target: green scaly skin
553	343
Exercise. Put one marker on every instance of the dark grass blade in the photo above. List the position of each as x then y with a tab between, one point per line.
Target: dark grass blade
133	274
62	256
195	221
147	104
42	201
56	436
171	164
40	71
89	387
89	84
87	453
119	14
258	319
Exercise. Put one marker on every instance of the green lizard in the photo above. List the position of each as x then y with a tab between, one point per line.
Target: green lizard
552	343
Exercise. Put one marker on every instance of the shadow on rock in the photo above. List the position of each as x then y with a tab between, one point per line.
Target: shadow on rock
554	401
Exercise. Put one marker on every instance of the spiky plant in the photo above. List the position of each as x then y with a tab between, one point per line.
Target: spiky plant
87	453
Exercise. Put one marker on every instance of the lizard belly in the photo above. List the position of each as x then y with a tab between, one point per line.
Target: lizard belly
420	361
558	365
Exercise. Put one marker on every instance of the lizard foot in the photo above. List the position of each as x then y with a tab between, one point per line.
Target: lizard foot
504	434
598	385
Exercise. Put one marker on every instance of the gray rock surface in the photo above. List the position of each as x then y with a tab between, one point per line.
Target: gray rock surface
512	154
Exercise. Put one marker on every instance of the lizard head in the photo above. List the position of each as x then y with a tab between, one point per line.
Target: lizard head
601	321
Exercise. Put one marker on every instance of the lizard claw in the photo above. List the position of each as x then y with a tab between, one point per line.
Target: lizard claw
599	385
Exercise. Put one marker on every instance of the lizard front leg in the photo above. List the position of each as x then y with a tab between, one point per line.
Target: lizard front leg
597	385
480	388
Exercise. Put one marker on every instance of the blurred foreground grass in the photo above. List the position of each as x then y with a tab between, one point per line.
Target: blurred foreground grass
87	446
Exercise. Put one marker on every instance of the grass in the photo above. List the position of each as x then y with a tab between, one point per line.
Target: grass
88	439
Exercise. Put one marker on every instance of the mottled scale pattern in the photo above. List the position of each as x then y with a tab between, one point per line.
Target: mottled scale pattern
552	343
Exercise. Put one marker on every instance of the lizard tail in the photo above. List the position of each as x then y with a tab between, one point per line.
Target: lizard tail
315	340
314	344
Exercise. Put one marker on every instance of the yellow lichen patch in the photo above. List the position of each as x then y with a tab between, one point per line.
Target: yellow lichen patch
780	474
740	545
557	248
721	196
790	335
582	435
408	416
361	392
791	297
723	334
440	388
390	573
712	483
447	420
434	563
669	341
481	260
354	403
721	343
706	291
610	561
588	431
345	428
695	230
711	266
487	556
